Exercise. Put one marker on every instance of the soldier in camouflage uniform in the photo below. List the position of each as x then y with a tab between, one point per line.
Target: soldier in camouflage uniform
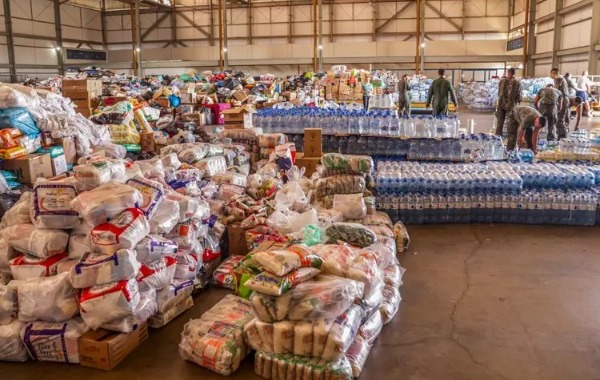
509	95
439	91
524	122
404	96
547	101
562	122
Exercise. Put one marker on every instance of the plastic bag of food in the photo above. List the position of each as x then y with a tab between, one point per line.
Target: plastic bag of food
351	233
50	205
171	161
54	342
271	308
205	272
176	292
402	238
159	320
42	243
18	213
123	134
340	184
9	307
392	275
365	269
227	191
7	253
105	303
342	332
145	309
348	163
187	265
152	194
230	178
357	354
194	153
382	230
123	232
79	245
224	275
390	303
351	206
190	208
371	328
273	285
166	217
288	195
337	258
154	247
282	262
97	269
98	172
105	202
50	299
12	348
292	367
157	275
253	338
216	340
212	165
271	140
26	266
289	222
65	266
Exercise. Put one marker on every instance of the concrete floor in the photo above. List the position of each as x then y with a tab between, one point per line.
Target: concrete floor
480	302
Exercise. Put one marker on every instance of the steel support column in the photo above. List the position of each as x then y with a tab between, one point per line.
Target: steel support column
320	35
290	23
59	42
225	33
594	62
331	20
529	45
221	58
249	10
212	24
418	39
136	38
557	32
375	16
315	47
103	23
10	44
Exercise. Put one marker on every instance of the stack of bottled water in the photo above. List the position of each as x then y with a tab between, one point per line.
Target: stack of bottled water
481	147
494	192
575	144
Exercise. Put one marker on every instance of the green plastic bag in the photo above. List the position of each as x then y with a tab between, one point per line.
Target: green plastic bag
132	147
312	234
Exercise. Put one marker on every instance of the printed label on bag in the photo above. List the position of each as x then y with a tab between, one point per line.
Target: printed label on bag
54	199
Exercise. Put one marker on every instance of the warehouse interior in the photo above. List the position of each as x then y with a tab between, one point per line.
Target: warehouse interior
503	291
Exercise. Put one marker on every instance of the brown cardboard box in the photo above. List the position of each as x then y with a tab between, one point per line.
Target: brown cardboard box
82	103
239	115
313	142
68	145
163	102
93	86
308	163
240	95
158	147
159	320
147	141
102	349
76	94
234	126
237	240
31	167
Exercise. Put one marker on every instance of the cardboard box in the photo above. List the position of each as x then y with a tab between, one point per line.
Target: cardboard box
239	115
163	102
234	126
147	141
158	147
313	142
237	240
309	164
162	319
59	165
31	167
93	86
77	94
102	349
240	95
68	145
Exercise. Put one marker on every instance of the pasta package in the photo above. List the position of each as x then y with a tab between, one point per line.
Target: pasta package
292	367
42	243
390	303
371	328
271	308
351	233
253	339
97	269
106	303
357	164
152	194
54	342
282	262
342	332
303	339
123	232
270	284
357	354
51	205
12	348
28	267
224	275
215	341
105	202
154	247
340	184
50	299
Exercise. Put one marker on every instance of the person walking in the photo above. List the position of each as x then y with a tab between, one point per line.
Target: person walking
439	91
583	89
548	100
577	102
524	123
570	85
404	96
562	121
367	88
509	96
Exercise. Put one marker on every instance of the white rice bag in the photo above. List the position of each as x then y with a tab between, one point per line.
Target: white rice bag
390	304
41	243
83	228
65	266
154	247
371	328
283	337
265	331
97	269
50	299
106	303
230	178
253	338
157	274
190	208
98	172
177	291
146	308
122	232
342	332
103	203
152	193
151	168
8	303
166	217
18	213
193	154
25	267
303	339
187	265
7	253
54	342
12	348
51	205
212	165
171	161
79	245
357	354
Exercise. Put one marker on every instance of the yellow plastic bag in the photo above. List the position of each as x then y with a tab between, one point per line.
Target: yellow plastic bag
124	134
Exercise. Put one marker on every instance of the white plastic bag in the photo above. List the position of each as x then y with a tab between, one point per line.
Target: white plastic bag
7	253
289	194
18	213
103	203
352	206
51	205
41	243
290	222
97	269
122	232
26	266
8	303
166	217
98	172
146	308
54	342
190	208
157	274
50	299
106	303
79	245
187	266
152	193
12	348
154	247
171	161
177	291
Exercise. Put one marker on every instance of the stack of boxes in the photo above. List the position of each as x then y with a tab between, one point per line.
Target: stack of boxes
83	93
238	118
344	88
313	150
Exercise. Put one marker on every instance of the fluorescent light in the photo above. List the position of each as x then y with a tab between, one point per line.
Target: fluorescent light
520	65
57	48
225	50
138	49
320	47
509	67
422	44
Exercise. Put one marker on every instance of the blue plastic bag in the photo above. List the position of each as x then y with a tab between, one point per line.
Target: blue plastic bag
18	117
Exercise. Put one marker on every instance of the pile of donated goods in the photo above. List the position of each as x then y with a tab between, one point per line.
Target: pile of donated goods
120	242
